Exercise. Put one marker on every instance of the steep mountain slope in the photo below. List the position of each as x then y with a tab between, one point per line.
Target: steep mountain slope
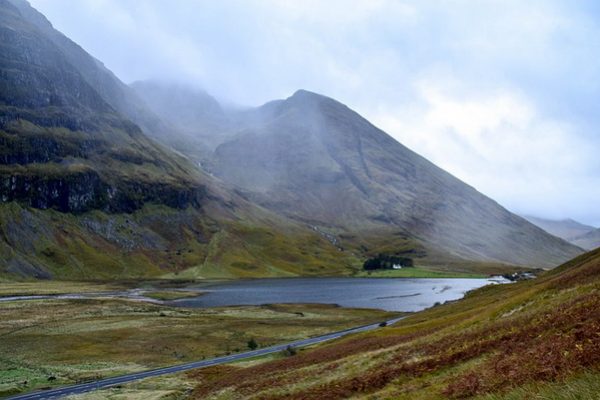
114	92
517	341
315	160
85	194
63	146
567	229
590	240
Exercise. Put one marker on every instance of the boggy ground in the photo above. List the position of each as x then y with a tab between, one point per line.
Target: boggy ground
524	340
57	342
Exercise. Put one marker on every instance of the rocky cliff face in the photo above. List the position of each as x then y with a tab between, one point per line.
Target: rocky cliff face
79	191
76	192
62	144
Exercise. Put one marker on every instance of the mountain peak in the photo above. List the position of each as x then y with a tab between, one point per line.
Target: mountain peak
306	93
309	101
308	96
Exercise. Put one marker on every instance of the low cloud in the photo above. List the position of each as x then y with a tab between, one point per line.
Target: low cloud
502	93
503	146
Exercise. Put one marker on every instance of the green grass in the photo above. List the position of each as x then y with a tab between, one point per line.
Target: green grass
10	288
416	272
163	243
585	386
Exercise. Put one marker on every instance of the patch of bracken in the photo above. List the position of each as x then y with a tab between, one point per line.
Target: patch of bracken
250	380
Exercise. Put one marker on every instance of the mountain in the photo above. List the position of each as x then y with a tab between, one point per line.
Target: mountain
312	159
590	240
297	186
585	236
86	194
567	229
536	339
63	146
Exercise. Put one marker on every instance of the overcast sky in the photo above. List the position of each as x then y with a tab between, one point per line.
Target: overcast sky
503	94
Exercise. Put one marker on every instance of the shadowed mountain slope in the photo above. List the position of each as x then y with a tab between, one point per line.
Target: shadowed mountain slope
63	146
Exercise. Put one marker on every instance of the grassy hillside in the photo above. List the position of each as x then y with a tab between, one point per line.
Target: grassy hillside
159	241
500	342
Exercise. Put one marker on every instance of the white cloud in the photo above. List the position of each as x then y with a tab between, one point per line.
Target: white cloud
499	143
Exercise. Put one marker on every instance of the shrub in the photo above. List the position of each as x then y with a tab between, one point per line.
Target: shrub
289	351
252	345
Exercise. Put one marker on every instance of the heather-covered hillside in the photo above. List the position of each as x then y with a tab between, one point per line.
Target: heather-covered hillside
507	341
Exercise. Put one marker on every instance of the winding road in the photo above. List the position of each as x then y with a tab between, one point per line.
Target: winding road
119	380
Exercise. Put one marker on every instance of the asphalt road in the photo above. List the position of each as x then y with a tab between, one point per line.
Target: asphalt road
119	380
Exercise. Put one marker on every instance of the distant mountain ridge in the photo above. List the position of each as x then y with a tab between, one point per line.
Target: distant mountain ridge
567	228
590	240
584	236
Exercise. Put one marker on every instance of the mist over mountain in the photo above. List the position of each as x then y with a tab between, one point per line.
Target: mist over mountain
294	187
86	193
195	120
312	159
142	224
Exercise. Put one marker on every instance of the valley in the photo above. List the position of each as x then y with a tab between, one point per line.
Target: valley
527	339
163	241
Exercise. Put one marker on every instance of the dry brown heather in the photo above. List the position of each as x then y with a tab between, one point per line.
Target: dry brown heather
499	338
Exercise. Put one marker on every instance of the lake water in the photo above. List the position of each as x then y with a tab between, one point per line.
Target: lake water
393	294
